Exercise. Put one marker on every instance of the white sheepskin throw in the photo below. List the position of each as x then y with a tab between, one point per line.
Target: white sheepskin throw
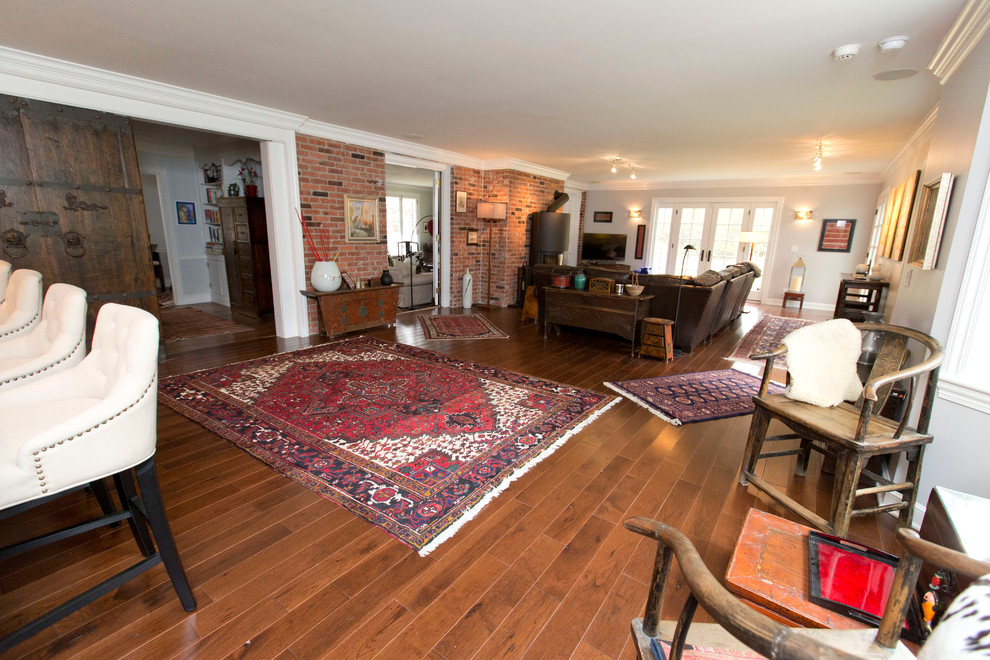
821	360
965	629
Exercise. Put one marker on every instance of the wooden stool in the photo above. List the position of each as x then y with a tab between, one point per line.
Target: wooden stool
657	339
796	296
531	304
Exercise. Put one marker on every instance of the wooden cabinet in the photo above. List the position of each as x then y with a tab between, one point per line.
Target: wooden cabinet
245	253
347	310
619	315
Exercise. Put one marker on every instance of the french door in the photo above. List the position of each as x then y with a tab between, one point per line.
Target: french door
713	229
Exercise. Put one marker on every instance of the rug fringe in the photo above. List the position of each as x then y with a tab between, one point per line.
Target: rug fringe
642	404
473	511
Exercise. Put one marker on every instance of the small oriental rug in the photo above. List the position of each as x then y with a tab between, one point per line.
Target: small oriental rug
186	322
411	440
695	397
765	336
460	326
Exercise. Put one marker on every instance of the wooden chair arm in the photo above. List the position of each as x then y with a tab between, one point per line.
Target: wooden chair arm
753	629
934	359
775	353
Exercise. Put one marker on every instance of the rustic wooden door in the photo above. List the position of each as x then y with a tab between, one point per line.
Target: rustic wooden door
71	205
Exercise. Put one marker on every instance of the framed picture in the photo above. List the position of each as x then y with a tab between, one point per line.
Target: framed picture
472	237
360	219
186	212
933	204
348	280
897	213
836	236
212	195
640	240
603	216
460	202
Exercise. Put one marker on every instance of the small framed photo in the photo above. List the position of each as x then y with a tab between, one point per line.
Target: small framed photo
460	202
640	240
348	280
360	219
836	236
212	195
603	216
186	212
472	237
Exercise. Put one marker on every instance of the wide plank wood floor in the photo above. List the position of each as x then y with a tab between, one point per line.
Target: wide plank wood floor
546	570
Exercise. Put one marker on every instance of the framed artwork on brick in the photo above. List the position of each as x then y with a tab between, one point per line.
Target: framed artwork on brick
460	202
836	236
472	237
360	219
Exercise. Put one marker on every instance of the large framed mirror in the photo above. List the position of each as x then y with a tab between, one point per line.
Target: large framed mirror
932	208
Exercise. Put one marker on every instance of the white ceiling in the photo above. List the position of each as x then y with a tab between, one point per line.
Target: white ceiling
687	91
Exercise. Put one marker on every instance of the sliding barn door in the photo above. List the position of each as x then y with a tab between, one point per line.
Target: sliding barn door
71	205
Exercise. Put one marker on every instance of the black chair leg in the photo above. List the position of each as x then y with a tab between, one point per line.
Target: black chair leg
147	478
102	495
127	495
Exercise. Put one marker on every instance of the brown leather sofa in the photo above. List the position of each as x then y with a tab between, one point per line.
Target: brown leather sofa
709	302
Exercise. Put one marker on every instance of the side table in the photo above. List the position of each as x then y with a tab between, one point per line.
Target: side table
796	296
658	339
346	310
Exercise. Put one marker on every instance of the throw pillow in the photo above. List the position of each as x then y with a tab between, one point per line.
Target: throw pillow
821	360
708	278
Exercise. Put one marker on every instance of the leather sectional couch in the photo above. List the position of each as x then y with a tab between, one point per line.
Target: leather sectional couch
709	302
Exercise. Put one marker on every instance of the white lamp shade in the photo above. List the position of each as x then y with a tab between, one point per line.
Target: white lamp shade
754	236
492	210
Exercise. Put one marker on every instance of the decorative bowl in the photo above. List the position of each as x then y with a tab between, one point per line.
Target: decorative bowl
634	289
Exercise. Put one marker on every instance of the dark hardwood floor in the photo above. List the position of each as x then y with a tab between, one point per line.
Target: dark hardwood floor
546	570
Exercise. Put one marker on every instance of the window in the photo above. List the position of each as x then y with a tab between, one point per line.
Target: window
401	215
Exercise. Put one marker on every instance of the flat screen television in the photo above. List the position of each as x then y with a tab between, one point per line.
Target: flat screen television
604	247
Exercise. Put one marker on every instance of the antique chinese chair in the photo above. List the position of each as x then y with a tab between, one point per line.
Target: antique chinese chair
21	306
78	426
56	342
852	433
741	628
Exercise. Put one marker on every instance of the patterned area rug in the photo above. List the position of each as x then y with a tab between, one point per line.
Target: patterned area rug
696	397
460	326
186	322
766	336
411	440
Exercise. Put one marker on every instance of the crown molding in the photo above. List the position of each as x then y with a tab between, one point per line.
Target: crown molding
524	166
921	135
49	79
783	182
966	32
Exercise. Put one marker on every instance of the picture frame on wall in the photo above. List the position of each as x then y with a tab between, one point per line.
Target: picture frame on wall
603	216
460	201
186	213
472	237
640	240
836	236
360	219
933	205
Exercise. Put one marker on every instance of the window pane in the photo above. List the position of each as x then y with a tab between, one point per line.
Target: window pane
661	240
691	232
725	247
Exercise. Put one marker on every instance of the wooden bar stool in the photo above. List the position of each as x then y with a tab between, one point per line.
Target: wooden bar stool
657	339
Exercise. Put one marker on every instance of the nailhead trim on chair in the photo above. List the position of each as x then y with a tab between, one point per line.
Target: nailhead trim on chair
40	470
46	367
28	324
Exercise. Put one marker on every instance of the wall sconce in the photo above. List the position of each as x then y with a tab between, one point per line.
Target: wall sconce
635	214
802	215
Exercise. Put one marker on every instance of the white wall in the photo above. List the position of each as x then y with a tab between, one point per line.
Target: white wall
855	201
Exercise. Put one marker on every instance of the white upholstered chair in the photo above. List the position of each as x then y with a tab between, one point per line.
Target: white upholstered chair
21	306
5	268
56	342
82	424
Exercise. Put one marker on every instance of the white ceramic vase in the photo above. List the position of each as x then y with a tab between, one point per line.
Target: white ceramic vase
325	276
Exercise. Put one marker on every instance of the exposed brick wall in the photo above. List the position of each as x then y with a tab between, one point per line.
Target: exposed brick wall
584	206
328	170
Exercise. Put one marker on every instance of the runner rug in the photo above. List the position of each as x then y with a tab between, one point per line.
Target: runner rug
765	336
186	322
413	441
695	397
460	326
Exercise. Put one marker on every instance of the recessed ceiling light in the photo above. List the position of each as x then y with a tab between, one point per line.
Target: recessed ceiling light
894	74
412	136
846	52
893	43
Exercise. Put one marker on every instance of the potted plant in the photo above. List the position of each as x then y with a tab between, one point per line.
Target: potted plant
249	176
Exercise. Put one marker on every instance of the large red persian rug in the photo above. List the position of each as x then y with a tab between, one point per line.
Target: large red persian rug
409	439
460	326
765	336
694	397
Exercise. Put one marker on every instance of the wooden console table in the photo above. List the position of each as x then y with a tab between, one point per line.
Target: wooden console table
619	315
858	296
347	310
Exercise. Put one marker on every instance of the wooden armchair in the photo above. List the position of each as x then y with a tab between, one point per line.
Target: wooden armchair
740	627
852	433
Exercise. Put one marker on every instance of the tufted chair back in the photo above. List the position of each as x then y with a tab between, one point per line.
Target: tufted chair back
90	420
4	277
56	342
21	307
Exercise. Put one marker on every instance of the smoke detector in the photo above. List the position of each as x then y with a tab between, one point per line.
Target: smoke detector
846	52
893	43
